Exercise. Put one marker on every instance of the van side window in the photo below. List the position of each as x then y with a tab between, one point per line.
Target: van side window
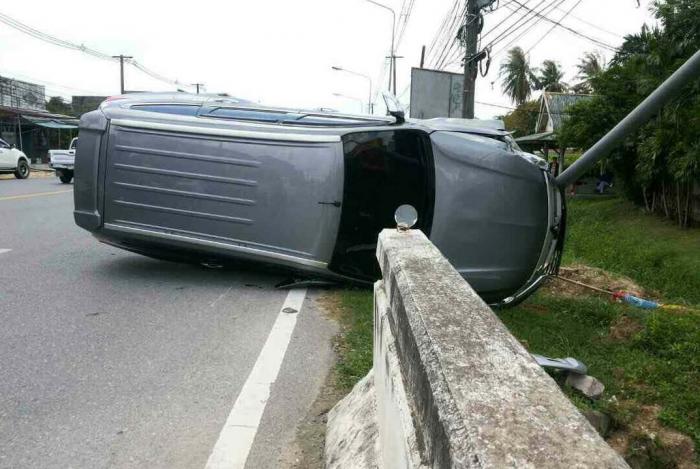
4	144
179	109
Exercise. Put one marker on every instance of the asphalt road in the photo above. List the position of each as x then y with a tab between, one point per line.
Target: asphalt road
111	359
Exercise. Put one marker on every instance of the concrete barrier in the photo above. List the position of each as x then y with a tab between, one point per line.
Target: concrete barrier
451	387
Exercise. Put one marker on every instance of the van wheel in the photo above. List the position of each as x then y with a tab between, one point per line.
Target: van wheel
22	171
65	177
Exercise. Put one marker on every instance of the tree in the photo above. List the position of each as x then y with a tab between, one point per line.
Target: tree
589	67
517	78
550	77
57	105
658	165
523	119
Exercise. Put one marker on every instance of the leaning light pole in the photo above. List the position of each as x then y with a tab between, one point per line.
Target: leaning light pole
653	103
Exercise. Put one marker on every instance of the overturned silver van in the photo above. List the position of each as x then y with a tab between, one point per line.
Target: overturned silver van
212	179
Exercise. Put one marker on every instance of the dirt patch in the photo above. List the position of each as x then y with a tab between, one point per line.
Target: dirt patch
646	443
594	277
624	328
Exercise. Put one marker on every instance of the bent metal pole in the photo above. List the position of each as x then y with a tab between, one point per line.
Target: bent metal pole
635	119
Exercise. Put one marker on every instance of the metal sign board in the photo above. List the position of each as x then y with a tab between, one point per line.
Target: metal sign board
435	93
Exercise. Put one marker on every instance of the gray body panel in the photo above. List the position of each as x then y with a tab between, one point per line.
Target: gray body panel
195	188
255	194
491	210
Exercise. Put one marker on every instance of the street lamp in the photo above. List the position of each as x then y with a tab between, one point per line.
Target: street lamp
392	64
340	95
370	106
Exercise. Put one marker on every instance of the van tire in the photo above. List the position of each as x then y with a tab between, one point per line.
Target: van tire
22	171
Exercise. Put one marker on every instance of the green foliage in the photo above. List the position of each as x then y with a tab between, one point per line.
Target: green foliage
517	78
57	105
523	119
657	165
589	67
355	344
550	77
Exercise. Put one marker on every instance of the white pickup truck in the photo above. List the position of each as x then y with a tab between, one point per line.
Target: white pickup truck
13	161
63	162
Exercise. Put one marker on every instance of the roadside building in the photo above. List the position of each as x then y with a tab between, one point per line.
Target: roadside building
553	112
25	122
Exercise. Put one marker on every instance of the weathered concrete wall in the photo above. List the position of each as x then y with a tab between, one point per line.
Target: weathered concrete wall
452	387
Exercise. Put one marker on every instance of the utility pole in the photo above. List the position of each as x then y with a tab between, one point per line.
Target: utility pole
471	31
198	85
121	68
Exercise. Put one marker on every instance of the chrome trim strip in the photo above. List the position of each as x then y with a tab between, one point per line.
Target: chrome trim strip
214	244
247	134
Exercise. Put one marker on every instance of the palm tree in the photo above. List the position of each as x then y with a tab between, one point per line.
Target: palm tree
550	77
590	66
517	78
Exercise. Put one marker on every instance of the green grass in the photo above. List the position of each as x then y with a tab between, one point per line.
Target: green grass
616	236
355	342
657	365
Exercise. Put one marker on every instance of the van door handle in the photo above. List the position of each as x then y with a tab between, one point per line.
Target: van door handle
335	203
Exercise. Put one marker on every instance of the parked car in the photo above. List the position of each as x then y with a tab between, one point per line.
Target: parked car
63	162
210	180
13	161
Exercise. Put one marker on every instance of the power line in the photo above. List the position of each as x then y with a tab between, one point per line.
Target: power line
524	20
573	31
554	26
80	48
530	27
595	26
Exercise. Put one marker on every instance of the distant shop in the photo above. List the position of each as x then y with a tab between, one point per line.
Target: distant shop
25	122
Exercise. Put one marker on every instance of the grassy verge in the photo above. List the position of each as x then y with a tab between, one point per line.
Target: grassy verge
616	236
646	359
354	344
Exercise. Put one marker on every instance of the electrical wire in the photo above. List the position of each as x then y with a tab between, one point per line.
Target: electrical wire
530	27
573	31
554	26
81	48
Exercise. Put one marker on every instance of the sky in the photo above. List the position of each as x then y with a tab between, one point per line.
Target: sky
280	52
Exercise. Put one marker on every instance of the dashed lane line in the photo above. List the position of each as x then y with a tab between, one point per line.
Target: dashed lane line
35	194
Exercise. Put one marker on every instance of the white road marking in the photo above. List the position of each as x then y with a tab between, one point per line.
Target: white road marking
3	251
236	438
